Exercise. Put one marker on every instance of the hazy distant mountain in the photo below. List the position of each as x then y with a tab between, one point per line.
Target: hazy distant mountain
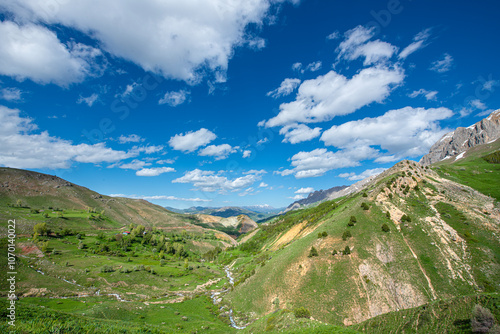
256	212
462	139
314	197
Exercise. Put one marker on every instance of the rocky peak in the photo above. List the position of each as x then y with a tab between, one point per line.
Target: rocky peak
462	139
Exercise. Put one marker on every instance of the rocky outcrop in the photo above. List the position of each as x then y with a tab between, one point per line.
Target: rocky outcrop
462	139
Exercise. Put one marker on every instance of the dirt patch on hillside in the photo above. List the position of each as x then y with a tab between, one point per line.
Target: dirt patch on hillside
295	232
30	249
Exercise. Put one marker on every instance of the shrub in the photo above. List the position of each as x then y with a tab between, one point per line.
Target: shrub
482	319
365	206
388	215
346	250
334	252
107	269
346	235
353	219
324	234
302	312
313	252
385	227
405	218
365	195
350	224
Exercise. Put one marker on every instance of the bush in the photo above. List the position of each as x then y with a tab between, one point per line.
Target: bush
346	250
406	218
353	219
334	252
313	252
365	206
324	234
365	195
107	269
385	227
350	224
482	319
346	235
302	312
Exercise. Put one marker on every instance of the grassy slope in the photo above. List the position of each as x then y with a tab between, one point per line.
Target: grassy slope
473	170
41	191
443	316
382	274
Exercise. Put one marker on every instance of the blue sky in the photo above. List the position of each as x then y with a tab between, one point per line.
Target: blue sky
225	102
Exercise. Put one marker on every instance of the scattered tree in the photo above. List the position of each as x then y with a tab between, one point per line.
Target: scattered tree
313	252
40	229
364	194
385	227
302	312
346	251
334	252
365	206
346	235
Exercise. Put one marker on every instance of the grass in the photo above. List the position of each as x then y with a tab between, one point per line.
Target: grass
477	170
442	316
99	315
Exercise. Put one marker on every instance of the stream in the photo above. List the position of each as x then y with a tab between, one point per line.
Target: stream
216	299
215	296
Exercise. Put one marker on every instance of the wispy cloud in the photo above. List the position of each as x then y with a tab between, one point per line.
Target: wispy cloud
442	65
174	99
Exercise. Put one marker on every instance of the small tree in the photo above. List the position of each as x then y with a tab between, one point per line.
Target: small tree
388	215
40	229
313	252
302	312
365	195
347	250
324	234
346	235
353	219
365	206
334	252
482	319
385	227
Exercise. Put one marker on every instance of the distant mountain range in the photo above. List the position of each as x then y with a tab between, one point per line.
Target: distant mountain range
255	212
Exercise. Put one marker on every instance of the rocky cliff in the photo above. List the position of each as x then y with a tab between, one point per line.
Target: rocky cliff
460	140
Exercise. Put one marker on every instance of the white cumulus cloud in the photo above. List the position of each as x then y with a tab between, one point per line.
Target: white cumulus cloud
209	181
286	88
11	94
21	146
154	171
296	133
33	52
174	99
191	141
305	190
218	151
177	39
333	94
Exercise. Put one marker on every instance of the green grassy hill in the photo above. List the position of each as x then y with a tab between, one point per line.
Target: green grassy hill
417	238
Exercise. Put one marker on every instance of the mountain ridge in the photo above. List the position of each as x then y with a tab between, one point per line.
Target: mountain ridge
462	139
